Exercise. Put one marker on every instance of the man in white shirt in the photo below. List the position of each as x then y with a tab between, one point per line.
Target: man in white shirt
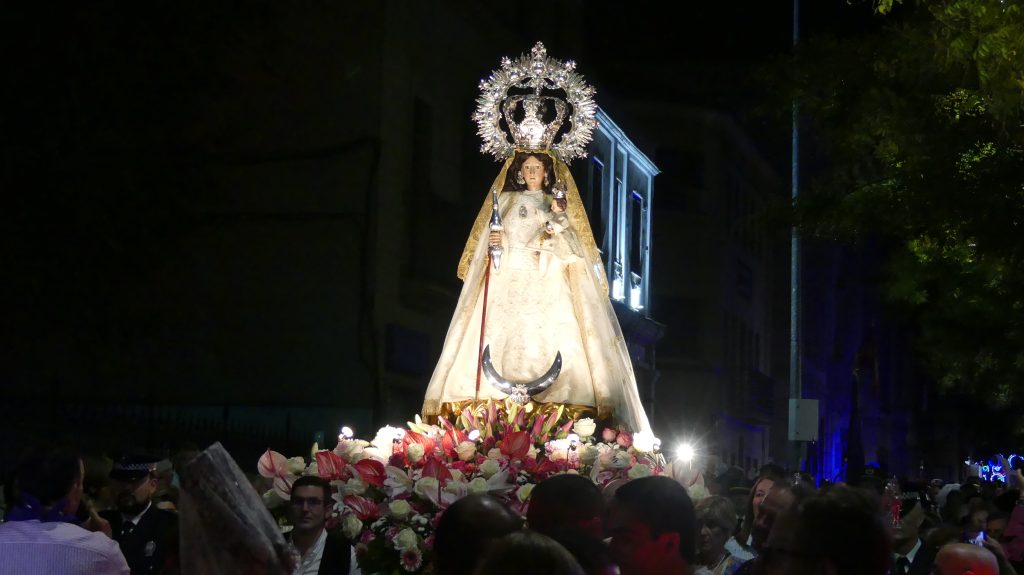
322	553
40	536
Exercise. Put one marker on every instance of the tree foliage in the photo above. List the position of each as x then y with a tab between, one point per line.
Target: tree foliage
915	135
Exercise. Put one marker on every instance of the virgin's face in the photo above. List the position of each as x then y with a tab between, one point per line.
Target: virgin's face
533	173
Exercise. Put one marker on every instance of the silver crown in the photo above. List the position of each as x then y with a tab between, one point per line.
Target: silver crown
536	72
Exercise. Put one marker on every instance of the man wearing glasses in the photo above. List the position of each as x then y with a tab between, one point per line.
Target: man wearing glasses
322	552
147	535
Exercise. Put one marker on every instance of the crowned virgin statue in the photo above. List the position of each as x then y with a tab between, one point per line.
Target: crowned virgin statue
534	322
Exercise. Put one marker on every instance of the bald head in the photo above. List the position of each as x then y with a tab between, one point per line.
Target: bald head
964	559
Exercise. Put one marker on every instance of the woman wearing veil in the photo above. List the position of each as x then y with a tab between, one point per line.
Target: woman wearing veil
549	295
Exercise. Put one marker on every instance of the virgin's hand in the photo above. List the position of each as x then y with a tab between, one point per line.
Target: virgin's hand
558	205
494	239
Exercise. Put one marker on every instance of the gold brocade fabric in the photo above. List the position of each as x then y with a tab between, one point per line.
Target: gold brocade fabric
452	410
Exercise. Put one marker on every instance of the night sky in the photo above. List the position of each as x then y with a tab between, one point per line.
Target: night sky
114	113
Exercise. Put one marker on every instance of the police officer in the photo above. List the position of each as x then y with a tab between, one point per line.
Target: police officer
148	535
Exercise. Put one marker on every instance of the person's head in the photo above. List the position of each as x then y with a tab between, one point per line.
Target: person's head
527	552
530	171
466	529
964	559
653	527
758	492
955	507
996	524
716	519
133	480
766	479
941	536
52	477
913	512
977	515
566	501
590	551
778	499
837	532
309	502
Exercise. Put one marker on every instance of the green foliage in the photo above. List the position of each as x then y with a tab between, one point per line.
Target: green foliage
916	132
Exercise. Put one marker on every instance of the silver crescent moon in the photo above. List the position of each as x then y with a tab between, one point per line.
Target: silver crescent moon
520	392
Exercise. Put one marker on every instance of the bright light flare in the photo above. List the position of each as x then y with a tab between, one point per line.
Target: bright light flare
347	432
474	435
686	452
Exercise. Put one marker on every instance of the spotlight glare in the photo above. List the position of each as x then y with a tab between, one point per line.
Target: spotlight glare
347	432
685	452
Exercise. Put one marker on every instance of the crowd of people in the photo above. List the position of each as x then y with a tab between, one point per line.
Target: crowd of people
779	524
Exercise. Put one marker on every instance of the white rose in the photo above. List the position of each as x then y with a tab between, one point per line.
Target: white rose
621	459
400	508
351	526
588	454
271	499
524	491
457	487
466	450
425	486
350	449
638	471
644	441
489	468
414	452
381	455
354	487
456	474
478	486
296	465
532	453
406	539
558	449
495	453
312	469
584	427
384	440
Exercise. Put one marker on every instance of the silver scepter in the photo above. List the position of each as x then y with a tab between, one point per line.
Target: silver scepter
496	226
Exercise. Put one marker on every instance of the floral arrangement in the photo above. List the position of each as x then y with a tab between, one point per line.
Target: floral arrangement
390	492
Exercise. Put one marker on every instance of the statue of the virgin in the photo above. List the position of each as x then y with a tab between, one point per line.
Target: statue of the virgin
533	321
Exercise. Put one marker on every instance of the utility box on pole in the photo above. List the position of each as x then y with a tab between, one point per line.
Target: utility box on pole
803	419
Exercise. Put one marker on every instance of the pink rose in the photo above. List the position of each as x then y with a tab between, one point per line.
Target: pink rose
624	439
608	435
